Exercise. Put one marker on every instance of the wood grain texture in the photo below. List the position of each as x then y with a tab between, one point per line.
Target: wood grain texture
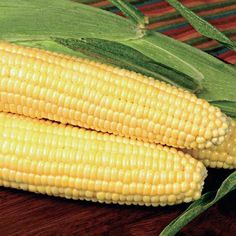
24	213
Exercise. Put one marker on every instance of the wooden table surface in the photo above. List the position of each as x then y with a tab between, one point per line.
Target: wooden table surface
24	213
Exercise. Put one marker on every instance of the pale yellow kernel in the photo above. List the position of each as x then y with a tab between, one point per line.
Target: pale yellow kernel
155	199
40	189
146	199
200	140
175	123
225	126
225	166
215	141
125	189
230	160
189	193
122	198
55	191
188	176
147	188
127	177
137	198
189	138
160	189
171	198
197	195
75	194
201	146
187	199
213	109
130	198
163	198
179	177
68	192
37	180
184	186
218	123
221	140
193	185
176	188
100	196
138	132
215	133
193	145
163	177
168	188
208	144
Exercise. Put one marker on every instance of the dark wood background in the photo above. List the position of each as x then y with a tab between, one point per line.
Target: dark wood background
24	213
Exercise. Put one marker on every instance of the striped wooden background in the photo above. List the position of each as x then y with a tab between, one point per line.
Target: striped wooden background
164	18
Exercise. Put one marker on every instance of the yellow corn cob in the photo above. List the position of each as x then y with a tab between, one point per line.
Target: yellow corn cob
41	84
222	156
55	159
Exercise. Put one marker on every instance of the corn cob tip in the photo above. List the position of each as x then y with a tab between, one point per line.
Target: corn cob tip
219	134
219	156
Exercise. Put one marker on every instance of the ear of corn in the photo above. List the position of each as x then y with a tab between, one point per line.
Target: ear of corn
222	156
65	161
89	94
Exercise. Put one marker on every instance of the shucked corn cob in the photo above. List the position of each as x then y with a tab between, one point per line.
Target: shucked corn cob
71	162
89	94
222	156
